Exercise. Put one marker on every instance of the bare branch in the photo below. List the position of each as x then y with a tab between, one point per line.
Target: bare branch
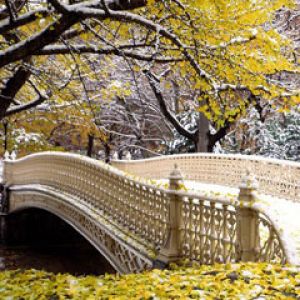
171	118
24	19
62	49
40	99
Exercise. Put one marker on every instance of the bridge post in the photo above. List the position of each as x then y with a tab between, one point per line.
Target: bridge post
247	225
171	251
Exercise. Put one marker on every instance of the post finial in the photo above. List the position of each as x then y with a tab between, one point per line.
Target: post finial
249	181
115	156
6	155
13	155
176	173
175	178
128	156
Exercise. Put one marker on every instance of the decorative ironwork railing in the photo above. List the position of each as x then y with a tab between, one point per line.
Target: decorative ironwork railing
275	177
179	225
135	206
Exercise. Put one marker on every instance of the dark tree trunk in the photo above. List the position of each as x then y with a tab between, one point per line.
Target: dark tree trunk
176	97
107	153
202	142
91	139
5	125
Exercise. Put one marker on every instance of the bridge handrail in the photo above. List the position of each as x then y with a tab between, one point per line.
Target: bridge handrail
207	225
128	201
276	177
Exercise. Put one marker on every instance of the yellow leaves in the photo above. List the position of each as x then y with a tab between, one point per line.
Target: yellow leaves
230	281
136	68
151	2
202	85
85	36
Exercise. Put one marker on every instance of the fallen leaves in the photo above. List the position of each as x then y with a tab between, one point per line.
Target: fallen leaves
230	281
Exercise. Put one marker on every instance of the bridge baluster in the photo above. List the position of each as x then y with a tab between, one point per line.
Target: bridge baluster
171	251
247	230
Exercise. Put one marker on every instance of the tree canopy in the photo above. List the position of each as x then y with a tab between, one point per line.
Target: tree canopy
229	50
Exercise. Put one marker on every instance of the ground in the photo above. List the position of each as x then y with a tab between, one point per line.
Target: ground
231	281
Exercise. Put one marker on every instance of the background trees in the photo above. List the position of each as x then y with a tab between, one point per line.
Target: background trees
278	136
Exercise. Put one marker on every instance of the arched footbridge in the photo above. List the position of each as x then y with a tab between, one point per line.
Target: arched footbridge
146	213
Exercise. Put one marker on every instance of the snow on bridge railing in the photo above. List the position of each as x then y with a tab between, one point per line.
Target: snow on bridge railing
275	177
177	224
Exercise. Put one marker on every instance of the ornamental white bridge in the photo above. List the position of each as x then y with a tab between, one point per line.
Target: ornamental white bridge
139	220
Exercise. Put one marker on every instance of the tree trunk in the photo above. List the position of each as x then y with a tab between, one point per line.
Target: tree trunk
90	145
176	97
107	153
202	143
5	125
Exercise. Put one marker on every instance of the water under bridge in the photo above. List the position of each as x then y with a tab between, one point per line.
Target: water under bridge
140	214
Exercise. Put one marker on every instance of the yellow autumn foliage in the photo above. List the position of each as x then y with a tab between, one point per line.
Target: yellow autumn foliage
230	281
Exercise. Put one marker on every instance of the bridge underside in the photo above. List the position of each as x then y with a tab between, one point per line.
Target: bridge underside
124	253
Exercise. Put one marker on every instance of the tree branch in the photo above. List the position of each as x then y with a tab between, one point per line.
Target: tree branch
221	133
18	5
39	100
62	49
11	12
164	109
47	36
12	87
24	19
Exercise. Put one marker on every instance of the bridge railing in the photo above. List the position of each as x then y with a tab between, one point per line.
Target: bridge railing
139	208
223	229
178	224
276	177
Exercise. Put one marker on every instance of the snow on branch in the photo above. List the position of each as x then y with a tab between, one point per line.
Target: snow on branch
6	24
62	49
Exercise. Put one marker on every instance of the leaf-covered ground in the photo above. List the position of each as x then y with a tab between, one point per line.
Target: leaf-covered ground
235	281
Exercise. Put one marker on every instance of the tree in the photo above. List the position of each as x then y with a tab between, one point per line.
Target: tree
277	137
226	49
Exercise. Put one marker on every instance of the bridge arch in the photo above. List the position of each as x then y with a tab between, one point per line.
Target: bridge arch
122	257
36	238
